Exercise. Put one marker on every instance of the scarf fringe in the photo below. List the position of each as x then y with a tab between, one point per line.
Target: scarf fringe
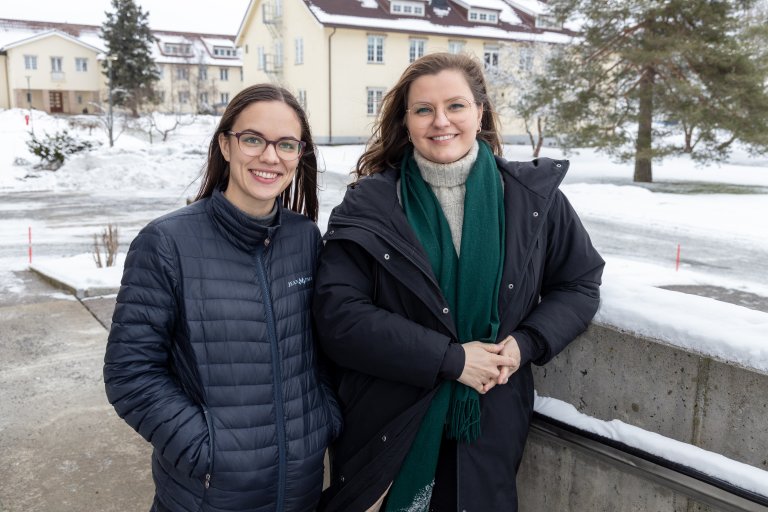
463	418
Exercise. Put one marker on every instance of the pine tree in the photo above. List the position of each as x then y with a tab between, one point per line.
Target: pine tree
649	78
129	38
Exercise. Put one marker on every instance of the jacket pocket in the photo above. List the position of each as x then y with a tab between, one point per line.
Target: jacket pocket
211	443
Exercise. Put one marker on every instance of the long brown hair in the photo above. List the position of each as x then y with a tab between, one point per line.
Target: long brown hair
389	141
301	195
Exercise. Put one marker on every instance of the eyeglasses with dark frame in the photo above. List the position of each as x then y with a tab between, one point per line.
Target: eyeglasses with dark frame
253	144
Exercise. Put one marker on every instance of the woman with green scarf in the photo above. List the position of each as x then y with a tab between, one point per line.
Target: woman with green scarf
446	271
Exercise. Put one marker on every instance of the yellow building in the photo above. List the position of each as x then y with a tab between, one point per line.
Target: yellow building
340	57
199	73
57	67
48	69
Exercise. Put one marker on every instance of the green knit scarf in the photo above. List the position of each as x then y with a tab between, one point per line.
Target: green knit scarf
470	284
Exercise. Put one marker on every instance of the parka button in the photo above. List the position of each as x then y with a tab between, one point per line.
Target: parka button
535	214
511	286
331	232
384	438
386	256
558	165
341	478
446	311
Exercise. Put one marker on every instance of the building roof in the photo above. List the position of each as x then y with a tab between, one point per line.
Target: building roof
18	32
32	37
446	17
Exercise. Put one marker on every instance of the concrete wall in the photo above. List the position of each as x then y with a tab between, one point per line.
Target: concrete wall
610	374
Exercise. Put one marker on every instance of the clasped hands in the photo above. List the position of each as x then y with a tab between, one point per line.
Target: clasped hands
489	364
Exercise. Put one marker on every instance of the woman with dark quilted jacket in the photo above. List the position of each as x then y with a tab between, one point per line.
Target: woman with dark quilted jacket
211	355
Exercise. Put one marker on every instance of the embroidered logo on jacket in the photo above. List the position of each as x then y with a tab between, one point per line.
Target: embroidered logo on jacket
300	281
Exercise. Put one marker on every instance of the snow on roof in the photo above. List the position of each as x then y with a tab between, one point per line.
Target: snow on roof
17	32
495	5
532	7
202	49
9	36
511	28
26	38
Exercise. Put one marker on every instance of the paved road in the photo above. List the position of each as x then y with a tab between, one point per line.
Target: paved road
62	447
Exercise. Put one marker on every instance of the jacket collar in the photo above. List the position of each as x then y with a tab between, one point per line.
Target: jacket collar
239	228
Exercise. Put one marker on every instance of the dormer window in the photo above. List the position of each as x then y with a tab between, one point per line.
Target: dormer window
483	16
177	49
405	7
547	21
224	51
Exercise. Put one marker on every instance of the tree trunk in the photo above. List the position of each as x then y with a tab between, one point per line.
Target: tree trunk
688	131
643	152
540	140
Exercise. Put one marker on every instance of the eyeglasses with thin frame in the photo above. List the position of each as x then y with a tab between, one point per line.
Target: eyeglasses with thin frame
253	144
456	110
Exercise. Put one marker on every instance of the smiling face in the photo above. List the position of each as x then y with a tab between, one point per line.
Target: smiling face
255	181
449	132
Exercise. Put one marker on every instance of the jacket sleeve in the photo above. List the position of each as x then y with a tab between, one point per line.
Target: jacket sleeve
358	334
137	370
570	289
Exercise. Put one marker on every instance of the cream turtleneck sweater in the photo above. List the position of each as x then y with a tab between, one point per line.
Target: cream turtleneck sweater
448	182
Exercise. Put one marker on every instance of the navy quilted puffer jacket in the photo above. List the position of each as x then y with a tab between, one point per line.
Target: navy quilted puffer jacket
211	359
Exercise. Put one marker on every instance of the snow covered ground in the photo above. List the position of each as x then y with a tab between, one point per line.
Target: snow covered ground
720	204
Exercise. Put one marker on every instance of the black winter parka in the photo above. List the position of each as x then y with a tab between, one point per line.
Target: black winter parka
381	317
211	359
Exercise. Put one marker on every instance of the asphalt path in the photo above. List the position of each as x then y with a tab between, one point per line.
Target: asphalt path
62	447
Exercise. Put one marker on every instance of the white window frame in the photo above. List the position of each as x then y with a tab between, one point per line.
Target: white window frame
526	58
301	96
178	49
416	48
224	51
56	64
224	97
483	16
202	72
456	47
81	64
261	58
278	54
374	95
224	74
547	21
183	97
491	57
406	7
299	46
30	62
182	73
375	49
203	97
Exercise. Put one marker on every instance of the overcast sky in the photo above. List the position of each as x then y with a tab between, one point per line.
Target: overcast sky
218	17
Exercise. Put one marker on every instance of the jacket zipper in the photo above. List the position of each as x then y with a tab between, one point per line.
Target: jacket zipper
277	377
209	423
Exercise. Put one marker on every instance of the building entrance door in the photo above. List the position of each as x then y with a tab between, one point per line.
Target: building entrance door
57	102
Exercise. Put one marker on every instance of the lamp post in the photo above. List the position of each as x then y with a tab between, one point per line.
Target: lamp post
110	59
29	105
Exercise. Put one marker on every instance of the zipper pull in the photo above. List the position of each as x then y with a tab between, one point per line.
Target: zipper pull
207	480
266	242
